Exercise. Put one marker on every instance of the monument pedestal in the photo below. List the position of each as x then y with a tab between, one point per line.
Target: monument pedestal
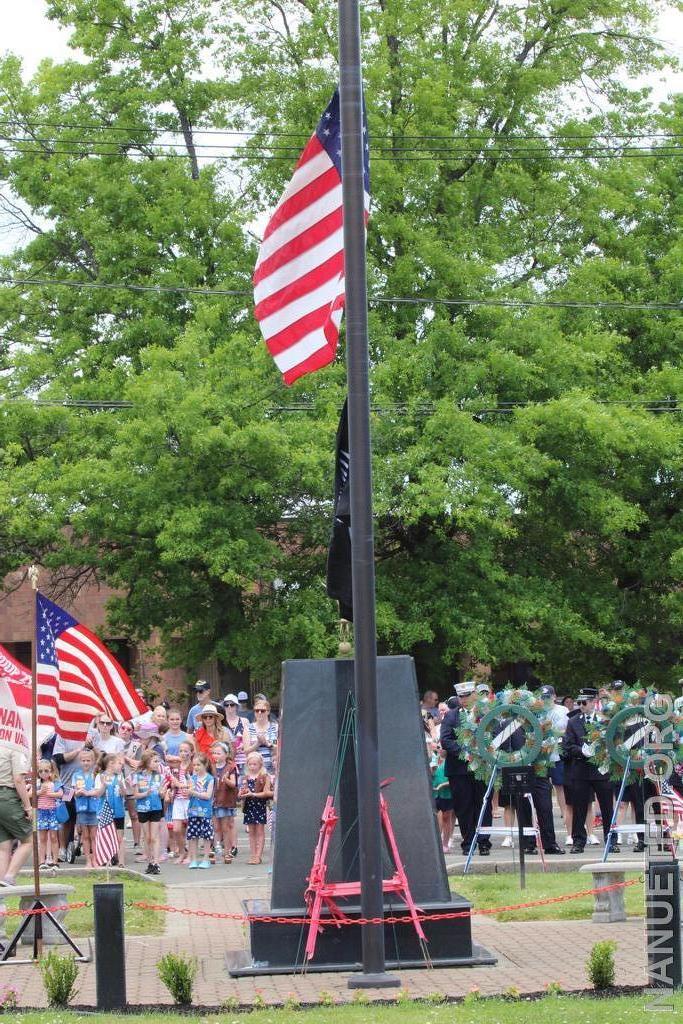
314	699
278	948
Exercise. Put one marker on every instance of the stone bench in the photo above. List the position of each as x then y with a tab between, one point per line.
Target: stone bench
609	906
52	894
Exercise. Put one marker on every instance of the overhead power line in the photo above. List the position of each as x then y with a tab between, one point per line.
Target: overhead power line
557	136
498	146
405	155
416	300
663	405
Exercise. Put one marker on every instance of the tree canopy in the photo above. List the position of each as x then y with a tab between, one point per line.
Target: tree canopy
527	496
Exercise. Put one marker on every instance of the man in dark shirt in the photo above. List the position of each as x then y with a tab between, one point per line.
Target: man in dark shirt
586	778
467	792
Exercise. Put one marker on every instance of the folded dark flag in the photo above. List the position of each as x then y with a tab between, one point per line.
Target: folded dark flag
339	554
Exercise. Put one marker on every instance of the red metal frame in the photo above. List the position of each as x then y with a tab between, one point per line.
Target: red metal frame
320	893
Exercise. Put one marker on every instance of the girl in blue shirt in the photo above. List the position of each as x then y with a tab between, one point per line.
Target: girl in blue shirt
87	802
112	784
200	811
149	790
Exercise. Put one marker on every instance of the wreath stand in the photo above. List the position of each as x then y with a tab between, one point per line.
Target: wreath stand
519	781
625	757
614	828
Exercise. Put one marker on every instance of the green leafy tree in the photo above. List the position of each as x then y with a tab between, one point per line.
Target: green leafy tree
550	534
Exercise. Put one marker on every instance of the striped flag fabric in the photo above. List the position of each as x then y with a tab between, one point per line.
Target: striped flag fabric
672	800
299	274
17	677
77	677
106	839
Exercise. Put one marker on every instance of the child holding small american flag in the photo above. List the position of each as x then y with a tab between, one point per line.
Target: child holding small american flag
181	770
113	789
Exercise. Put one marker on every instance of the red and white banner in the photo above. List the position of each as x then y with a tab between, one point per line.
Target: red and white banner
15	703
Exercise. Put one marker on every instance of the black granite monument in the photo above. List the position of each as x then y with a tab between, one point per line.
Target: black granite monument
314	699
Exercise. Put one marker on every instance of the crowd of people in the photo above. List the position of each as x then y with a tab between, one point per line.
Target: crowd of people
178	781
572	778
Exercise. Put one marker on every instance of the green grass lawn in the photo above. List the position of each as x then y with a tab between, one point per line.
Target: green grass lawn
485	891
561	1010
80	922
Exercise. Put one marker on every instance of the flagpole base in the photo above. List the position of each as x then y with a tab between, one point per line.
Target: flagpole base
379	980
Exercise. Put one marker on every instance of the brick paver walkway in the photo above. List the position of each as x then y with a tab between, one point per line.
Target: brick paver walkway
530	954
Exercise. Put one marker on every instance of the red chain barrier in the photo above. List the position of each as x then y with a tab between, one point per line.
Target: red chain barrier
162	908
403	919
32	911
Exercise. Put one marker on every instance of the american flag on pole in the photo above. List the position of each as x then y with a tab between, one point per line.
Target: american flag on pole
77	676
106	839
299	275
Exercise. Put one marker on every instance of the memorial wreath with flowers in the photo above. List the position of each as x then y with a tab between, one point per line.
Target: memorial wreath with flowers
489	723
634	731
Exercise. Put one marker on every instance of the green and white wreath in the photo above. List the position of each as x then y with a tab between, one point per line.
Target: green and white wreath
489	722
640	728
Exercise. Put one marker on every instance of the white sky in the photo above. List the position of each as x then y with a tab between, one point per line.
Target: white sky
27	32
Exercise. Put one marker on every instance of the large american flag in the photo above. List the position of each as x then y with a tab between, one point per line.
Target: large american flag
77	677
299	275
106	839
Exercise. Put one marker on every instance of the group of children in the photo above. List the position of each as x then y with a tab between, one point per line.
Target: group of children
181	802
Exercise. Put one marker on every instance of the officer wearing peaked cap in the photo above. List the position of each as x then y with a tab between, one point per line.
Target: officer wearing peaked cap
586	779
467	791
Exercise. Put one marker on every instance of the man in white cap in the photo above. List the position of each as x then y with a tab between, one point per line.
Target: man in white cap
466	791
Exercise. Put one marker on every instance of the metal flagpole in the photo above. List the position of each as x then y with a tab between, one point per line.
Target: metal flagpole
37	920
362	548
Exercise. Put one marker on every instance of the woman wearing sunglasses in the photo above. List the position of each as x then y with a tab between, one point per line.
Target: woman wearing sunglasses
262	737
210	729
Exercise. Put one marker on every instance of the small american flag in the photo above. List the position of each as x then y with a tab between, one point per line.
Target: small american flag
106	839
77	677
672	800
299	275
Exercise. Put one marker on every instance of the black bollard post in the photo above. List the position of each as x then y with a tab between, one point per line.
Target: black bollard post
110	959
663	910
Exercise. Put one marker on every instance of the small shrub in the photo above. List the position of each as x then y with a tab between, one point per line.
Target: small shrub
553	988
473	996
292	1002
230	1005
59	975
259	1002
512	993
600	965
325	998
403	996
177	974
360	997
435	998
